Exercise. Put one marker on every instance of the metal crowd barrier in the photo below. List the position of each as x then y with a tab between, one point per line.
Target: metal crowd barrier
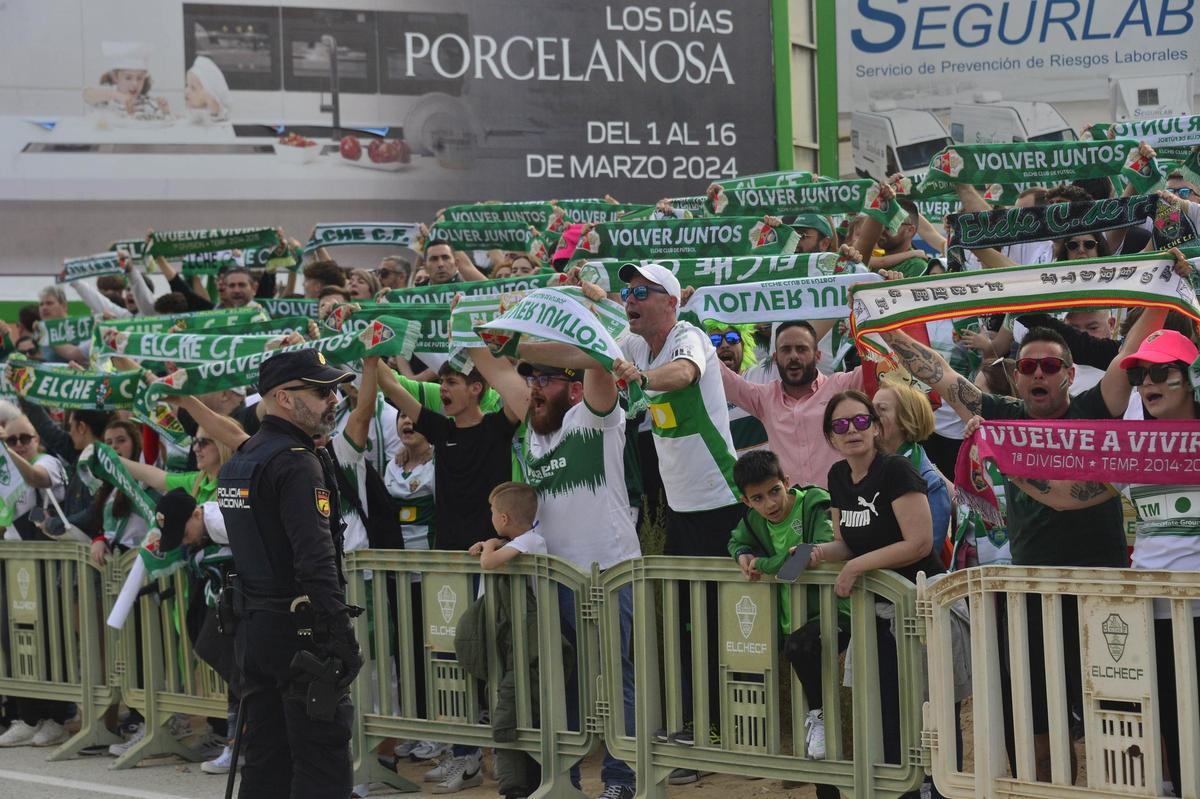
159	673
751	672
386	698
53	641
1121	712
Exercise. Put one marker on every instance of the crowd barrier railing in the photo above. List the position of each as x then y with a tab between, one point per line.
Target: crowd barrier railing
53	643
414	686
160	674
1111	614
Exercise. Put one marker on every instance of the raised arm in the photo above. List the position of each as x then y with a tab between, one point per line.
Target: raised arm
932	369
358	425
399	396
151	476
34	476
220	427
553	353
502	376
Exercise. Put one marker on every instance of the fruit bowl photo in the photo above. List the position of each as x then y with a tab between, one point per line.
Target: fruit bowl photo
382	154
296	149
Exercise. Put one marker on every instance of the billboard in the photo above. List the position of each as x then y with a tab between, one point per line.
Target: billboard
1089	60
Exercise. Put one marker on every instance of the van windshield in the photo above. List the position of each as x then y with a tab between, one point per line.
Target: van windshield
918	156
1066	134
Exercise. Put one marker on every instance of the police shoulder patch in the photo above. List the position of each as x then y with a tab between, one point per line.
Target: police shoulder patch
322	496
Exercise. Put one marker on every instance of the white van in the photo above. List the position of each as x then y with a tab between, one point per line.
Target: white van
1008	121
890	140
1149	96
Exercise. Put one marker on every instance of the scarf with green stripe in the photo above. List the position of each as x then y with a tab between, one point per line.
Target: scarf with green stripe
687	238
265	258
267	327
509	236
280	307
829	198
443	294
183	347
681	208
1043	163
700	272
434	321
75	389
774	300
1132	281
543	216
566	316
192	320
64	330
105	263
593	212
178	243
470	312
1180	132
135	247
387	234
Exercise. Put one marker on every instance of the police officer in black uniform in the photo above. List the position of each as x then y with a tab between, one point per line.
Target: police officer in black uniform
295	645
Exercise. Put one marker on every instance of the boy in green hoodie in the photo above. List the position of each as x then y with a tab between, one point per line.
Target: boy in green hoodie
779	519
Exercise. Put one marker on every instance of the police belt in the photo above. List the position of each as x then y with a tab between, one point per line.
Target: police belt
251	603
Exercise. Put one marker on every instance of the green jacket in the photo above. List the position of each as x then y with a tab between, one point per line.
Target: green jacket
753	537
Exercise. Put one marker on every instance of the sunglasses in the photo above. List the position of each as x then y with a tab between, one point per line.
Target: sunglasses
861	421
1158	373
324	392
1183	192
14	440
729	337
1049	365
1087	244
640	293
386	273
198	443
541	381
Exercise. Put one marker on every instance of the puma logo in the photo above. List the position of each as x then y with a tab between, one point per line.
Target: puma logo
860	518
870	504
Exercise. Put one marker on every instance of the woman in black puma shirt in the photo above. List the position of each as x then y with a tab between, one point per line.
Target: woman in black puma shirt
881	520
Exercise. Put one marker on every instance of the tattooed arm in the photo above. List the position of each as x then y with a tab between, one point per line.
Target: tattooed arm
930	368
1065	494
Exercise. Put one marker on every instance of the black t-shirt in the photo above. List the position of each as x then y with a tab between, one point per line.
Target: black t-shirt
468	463
867	521
1042	536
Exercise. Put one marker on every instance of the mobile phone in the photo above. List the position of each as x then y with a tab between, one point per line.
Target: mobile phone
795	565
55	526
37	515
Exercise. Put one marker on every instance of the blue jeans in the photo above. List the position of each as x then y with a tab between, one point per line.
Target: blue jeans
613	771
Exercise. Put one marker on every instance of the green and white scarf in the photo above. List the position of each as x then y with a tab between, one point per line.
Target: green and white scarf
434	321
444	293
700	272
1042	163
788	300
65	330
192	320
473	311
389	234
828	198
75	389
1141	280
542	216
104	464
687	238
135	247
762	180
566	316
207	263
1161	132
105	263
681	208
183	347
279	307
178	243
593	212
268	327
511	236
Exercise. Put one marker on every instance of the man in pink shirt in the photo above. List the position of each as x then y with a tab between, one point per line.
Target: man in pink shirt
791	406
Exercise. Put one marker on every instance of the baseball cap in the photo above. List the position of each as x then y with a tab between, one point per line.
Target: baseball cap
813	221
525	369
173	510
655	273
1163	346
308	366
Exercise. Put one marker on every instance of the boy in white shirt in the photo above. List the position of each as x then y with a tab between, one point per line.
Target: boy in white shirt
514	514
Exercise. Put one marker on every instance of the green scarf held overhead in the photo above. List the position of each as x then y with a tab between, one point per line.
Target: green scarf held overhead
681	208
206	263
509	236
105	263
1041	163
193	320
593	212
434	338
270	327
135	247
74	389
566	316
106	465
766	180
183	347
444	293
687	238
386	234
279	307
828	198
774	300
1181	132
66	330
543	216
700	272
178	243
470	312
1125	281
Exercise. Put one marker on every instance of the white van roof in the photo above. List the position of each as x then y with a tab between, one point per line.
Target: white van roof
911	125
1039	118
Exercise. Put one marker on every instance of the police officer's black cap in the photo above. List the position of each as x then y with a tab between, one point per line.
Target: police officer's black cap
307	366
172	512
525	369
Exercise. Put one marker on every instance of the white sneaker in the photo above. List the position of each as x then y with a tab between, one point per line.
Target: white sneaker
116	750
19	734
405	748
361	790
467	772
429	750
815	738
50	733
222	763
441	770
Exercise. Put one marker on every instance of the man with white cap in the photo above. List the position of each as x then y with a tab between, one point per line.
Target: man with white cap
676	365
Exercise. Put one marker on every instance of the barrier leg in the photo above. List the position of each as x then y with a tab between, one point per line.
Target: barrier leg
552	688
651	779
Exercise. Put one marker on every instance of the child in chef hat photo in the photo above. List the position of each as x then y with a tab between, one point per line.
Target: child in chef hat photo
125	85
206	93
